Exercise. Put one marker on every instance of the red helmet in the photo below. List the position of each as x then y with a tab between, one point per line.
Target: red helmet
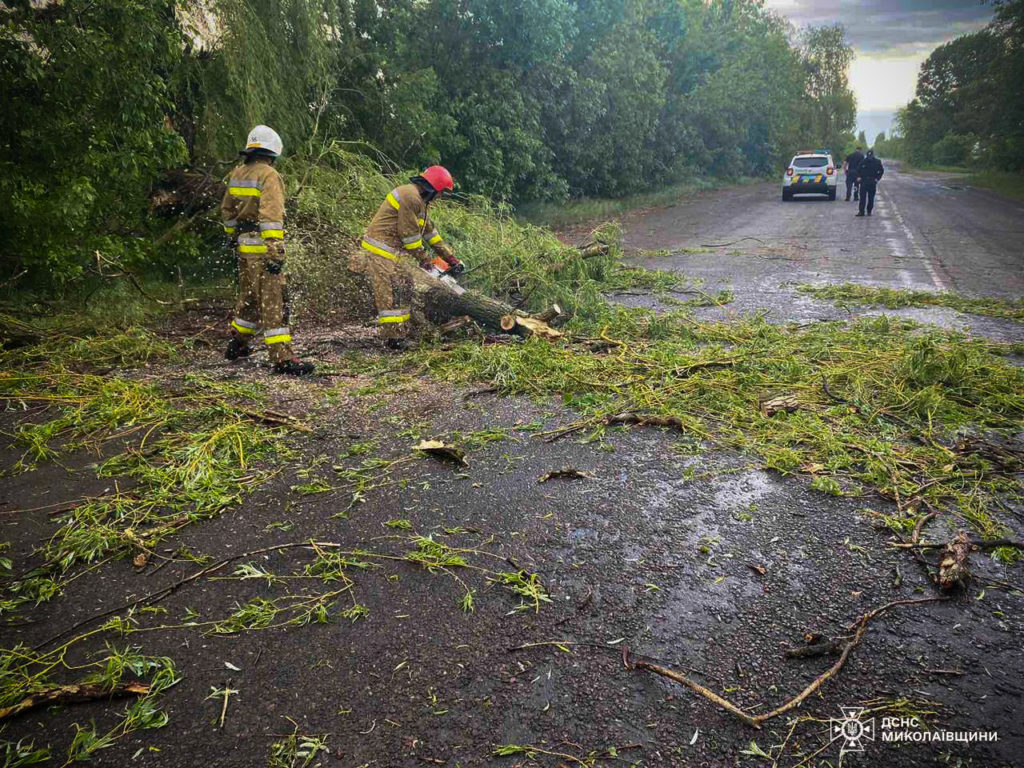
438	177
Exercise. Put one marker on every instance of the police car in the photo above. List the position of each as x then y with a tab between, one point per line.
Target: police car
810	172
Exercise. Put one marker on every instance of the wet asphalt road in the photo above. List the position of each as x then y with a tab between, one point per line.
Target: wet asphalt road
705	562
928	232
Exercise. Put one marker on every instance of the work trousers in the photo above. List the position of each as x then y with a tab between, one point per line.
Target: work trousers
392	292
867	194
263	301
851	184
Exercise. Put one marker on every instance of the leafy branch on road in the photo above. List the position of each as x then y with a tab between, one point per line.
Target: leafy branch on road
878	406
896	298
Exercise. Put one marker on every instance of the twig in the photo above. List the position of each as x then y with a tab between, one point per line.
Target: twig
477	392
991	544
170	589
278	419
920	526
731	242
756	721
73	694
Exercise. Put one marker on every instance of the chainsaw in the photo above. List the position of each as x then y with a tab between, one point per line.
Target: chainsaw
441	269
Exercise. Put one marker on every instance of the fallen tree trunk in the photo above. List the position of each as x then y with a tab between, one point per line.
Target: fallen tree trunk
442	303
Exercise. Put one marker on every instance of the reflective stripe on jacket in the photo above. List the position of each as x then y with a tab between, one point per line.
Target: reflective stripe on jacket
401	225
255	197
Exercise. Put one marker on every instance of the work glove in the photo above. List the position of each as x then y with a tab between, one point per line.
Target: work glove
446	252
457	268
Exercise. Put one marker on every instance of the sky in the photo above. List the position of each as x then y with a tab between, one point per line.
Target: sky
891	39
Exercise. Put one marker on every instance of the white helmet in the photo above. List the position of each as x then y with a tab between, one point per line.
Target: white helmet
264	138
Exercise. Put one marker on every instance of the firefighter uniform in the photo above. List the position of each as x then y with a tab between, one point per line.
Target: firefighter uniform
253	214
401	230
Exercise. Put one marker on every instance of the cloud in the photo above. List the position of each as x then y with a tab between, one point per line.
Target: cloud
891	39
884	82
893	27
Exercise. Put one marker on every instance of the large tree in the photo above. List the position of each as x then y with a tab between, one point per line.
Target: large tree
831	109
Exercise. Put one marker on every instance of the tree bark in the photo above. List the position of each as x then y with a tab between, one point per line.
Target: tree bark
953	568
441	303
73	694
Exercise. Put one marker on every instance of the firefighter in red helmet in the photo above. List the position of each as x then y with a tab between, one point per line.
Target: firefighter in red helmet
402	230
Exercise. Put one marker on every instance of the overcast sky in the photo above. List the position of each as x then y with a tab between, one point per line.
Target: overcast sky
890	37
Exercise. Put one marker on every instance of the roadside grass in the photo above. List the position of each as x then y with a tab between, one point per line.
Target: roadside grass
587	209
894	298
1006	183
918	416
1003	182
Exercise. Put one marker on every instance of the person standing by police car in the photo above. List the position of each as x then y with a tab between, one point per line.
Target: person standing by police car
869	174
850	166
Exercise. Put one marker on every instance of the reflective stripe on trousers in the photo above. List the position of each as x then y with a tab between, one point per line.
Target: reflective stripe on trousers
393	316
277	335
250	244
272	229
244	327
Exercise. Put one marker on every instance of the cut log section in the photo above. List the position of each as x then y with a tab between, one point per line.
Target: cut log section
441	303
953	568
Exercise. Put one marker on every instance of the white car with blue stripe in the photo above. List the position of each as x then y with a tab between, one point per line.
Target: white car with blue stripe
810	173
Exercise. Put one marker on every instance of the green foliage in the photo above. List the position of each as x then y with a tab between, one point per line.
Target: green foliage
298	751
190	451
85	94
894	298
24	671
969	106
900	396
272	64
832	109
603	98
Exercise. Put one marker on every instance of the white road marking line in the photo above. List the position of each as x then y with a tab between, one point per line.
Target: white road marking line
918	251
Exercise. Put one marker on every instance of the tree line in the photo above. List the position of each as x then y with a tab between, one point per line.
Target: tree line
523	100
969	101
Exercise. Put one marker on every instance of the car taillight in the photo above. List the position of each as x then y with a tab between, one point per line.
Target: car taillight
830	170
789	171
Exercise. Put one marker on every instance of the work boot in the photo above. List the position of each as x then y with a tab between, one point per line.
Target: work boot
294	367
858	213
398	345
236	349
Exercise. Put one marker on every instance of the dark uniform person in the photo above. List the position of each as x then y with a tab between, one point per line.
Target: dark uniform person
869	174
850	166
253	214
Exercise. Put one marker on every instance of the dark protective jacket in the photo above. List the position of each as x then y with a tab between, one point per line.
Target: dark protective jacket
870	170
853	161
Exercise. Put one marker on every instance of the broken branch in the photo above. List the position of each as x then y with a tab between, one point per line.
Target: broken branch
73	694
757	720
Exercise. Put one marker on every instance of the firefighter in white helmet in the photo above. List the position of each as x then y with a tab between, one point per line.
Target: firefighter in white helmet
253	214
